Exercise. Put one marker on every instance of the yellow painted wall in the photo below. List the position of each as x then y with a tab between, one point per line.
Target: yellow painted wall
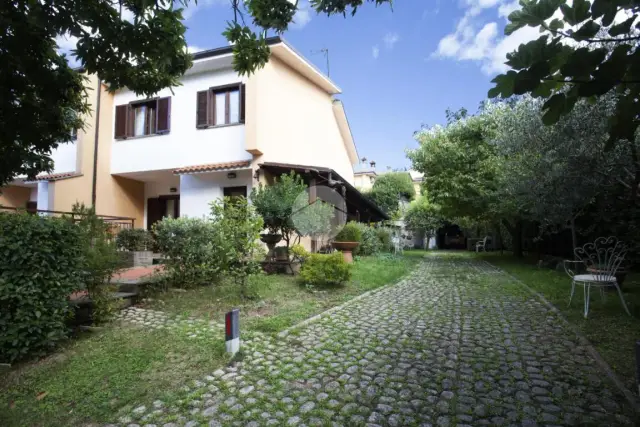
69	191
14	196
116	196
291	120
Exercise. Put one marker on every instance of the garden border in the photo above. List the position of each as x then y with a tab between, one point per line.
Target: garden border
631	398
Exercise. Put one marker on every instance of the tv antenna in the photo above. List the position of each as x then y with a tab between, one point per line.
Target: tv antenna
324	51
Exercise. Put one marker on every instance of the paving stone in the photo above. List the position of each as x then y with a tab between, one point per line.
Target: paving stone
457	342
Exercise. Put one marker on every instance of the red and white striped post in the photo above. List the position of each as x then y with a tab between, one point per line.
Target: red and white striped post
232	331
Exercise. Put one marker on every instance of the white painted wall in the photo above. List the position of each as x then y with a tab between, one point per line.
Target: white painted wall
185	145
65	157
198	190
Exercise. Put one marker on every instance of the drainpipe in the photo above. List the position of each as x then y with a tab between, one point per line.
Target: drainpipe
95	146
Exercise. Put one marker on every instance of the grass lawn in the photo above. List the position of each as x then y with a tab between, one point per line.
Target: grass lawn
608	327
90	379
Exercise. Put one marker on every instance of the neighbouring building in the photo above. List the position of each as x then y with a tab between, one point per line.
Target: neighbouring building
217	134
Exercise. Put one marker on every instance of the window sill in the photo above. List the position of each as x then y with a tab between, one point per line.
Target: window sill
220	126
142	136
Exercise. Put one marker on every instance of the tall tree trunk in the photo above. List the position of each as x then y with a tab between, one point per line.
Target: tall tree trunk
574	237
515	231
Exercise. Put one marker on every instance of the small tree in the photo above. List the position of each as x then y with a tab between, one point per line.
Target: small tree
390	188
239	226
101	260
423	217
275	203
313	220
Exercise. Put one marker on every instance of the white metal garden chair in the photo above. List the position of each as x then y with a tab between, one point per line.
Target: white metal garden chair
397	244
600	261
482	244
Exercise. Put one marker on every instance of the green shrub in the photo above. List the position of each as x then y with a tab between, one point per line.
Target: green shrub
384	237
325	270
40	266
299	253
194	253
100	262
134	239
238	227
349	233
369	243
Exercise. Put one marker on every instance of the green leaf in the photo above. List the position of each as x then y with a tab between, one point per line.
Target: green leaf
605	9
556	24
577	13
504	85
623	27
587	31
554	108
615	67
545	89
583	62
526	81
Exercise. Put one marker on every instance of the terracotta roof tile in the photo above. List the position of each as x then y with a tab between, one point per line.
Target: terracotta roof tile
57	176
213	167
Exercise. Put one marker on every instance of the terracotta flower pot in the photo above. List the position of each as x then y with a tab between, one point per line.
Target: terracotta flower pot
347	249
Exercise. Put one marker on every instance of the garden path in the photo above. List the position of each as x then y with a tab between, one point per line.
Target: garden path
457	342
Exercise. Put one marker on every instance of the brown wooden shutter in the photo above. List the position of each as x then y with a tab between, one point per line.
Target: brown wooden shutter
163	120
202	109
121	122
130	120
242	98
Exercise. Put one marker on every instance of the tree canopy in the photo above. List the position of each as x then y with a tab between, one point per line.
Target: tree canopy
503	165
587	49
389	188
423	217
126	43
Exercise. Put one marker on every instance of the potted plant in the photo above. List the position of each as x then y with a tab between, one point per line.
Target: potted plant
347	240
298	255
271	240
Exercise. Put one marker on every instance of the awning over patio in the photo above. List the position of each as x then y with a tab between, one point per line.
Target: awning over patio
359	207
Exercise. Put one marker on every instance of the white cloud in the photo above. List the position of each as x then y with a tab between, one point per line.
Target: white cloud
302	16
194	49
375	52
476	37
390	39
505	9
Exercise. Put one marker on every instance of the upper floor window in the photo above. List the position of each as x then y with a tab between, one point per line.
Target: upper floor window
222	105
140	118
74	134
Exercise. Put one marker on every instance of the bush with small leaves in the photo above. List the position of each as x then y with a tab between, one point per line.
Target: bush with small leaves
369	243
193	250
134	239
350	233
40	266
325	270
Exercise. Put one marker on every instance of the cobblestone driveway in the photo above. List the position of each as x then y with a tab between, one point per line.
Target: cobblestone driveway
456	343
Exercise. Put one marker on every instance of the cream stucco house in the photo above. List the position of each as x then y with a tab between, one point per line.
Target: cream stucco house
217	134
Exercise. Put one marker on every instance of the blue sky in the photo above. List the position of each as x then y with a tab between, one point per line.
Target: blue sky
399	68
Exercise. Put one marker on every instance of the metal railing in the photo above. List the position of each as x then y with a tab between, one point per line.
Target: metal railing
116	223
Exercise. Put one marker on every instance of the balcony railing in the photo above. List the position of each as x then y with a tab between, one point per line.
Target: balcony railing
116	223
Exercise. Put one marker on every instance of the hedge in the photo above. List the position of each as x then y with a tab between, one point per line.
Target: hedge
40	266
